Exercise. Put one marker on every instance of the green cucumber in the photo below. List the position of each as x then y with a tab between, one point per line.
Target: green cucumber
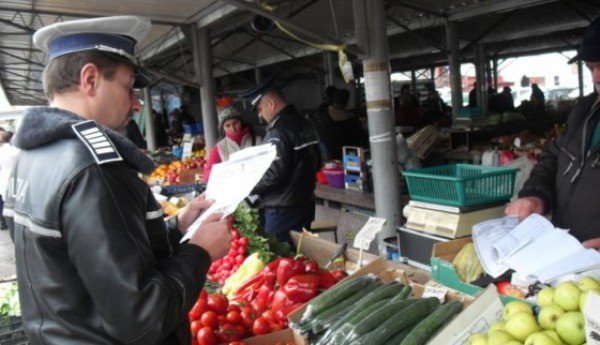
342	332
329	316
406	290
399	321
381	293
397	339
335	295
378	317
426	328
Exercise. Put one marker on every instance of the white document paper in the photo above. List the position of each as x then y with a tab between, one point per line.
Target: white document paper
535	249
528	230
487	233
591	312
368	232
232	181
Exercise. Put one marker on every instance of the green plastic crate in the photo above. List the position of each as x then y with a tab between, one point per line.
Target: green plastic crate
460	184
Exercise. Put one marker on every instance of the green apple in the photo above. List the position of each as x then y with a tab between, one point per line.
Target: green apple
545	296
554	335
549	315
521	325
567	296
588	283
583	297
497	326
540	338
477	339
513	342
514	307
571	328
499	337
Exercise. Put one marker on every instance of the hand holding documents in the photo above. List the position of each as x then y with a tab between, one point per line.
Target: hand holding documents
232	181
535	249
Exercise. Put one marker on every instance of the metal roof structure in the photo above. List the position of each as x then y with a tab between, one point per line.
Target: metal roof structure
416	30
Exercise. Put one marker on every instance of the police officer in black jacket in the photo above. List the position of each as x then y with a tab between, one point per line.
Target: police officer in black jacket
566	179
96	263
287	188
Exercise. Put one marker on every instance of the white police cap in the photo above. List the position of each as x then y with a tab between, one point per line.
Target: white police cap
116	35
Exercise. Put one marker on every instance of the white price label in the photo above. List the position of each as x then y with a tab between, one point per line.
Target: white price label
187	150
437	292
367	234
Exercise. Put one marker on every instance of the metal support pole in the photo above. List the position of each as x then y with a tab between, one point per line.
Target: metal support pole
413	81
488	72
202	53
432	73
150	132
454	67
580	77
328	67
495	73
480	77
381	122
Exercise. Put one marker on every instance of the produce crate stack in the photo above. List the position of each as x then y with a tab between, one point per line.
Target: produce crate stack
446	201
355	168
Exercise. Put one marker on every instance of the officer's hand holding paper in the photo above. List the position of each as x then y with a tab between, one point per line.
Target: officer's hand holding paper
232	181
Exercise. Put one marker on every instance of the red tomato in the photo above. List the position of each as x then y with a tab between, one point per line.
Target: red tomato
199	308
244	241
195	326
221	319
241	251
227	333
203	295
206	336
269	315
218	303
248	316
261	326
209	319
241	330
234	307
234	317
239	259
276	326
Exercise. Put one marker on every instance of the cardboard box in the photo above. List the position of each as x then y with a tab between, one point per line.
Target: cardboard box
476	317
282	336
190	176
322	251
444	272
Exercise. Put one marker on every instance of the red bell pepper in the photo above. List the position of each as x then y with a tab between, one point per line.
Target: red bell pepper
280	301
339	275
302	287
310	266
288	268
326	279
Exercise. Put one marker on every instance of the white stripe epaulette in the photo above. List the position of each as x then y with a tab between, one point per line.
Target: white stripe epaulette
97	142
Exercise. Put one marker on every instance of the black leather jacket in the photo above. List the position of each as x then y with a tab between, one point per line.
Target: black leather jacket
94	261
290	180
567	176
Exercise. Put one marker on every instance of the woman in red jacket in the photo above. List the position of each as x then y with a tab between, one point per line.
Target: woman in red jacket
238	136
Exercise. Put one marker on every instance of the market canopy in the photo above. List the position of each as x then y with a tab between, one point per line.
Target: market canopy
416	30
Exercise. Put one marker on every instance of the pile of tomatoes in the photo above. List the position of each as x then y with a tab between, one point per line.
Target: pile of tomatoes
222	268
213	320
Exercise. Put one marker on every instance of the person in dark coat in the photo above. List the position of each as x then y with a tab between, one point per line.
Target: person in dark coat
566	179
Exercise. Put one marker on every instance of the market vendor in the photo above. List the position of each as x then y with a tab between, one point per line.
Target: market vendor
96	263
566	179
238	136
287	188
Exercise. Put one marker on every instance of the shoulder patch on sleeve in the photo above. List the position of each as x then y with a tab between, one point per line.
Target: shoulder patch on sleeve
97	142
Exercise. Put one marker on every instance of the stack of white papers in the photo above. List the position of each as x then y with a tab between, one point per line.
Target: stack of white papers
534	248
232	181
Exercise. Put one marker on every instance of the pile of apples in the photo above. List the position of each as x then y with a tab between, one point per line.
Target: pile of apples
559	321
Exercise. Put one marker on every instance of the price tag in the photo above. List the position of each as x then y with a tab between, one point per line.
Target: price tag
367	234
435	291
187	150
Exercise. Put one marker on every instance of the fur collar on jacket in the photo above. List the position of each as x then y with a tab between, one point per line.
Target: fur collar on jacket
43	125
